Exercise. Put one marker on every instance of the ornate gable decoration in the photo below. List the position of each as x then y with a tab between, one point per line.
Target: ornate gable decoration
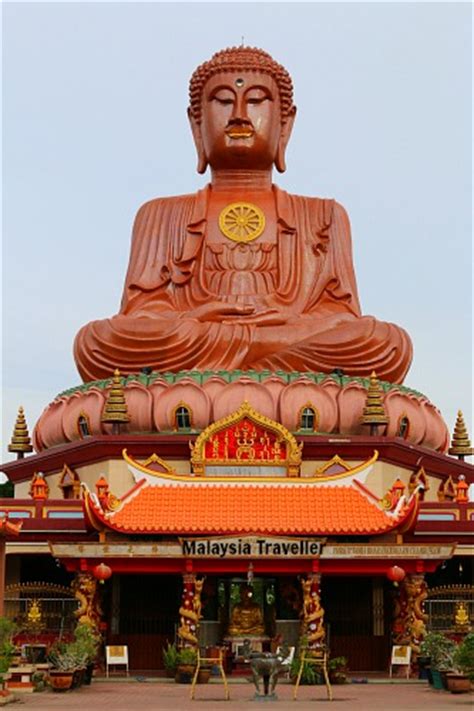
69	479
246	439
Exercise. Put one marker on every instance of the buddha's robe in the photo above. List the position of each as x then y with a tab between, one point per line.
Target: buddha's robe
307	276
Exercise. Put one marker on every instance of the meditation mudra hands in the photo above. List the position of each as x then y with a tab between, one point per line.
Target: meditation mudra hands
246	314
242	275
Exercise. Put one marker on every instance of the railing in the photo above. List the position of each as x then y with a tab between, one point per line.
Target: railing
54	614
442	613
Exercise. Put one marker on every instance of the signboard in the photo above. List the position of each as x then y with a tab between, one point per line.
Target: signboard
242	547
390	551
250	547
401	656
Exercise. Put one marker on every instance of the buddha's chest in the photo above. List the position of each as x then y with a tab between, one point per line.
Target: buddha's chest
252	220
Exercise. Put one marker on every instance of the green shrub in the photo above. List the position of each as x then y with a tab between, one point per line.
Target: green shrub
170	657
337	663
464	656
440	649
86	643
187	655
7	648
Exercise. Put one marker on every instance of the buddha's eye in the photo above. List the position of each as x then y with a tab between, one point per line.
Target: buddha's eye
257	96
223	96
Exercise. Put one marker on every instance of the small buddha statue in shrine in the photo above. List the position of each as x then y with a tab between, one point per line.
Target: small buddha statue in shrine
461	616
242	275
246	617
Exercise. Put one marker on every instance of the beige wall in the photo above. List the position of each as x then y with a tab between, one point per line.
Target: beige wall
120	479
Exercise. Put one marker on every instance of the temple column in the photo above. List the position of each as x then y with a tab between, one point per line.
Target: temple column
312	613
86	591
190	611
416	588
409	615
12	529
3	562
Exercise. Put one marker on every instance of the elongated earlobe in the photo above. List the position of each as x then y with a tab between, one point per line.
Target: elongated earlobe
286	129
280	163
201	156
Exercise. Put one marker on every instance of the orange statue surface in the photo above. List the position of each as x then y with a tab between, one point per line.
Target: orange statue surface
241	275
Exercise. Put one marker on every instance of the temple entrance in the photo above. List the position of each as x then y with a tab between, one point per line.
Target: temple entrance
358	615
143	613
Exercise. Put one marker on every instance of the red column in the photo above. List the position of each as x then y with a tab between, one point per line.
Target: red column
2	575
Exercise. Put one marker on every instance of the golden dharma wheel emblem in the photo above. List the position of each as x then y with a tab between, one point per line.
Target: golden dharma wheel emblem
242	221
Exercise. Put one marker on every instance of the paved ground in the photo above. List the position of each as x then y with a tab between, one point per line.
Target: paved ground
145	696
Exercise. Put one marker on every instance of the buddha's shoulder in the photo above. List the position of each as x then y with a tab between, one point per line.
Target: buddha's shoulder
168	202
326	207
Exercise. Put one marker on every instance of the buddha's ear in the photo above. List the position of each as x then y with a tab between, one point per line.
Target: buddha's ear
285	134
196	131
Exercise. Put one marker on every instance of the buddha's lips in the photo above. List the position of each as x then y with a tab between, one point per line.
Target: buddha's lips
240	132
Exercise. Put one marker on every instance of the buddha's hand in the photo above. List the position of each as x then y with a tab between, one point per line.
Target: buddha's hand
270	317
218	311
266	313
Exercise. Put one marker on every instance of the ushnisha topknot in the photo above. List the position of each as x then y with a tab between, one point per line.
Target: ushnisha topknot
240	59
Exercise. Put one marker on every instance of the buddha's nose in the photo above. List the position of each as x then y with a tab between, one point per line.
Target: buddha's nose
239	114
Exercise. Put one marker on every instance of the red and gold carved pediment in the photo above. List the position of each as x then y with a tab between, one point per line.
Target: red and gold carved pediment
246	438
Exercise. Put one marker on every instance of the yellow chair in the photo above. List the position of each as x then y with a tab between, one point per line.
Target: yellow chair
215	661
319	659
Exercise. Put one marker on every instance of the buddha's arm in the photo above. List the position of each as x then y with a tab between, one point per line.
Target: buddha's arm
337	282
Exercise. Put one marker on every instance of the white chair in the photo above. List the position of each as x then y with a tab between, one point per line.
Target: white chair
116	654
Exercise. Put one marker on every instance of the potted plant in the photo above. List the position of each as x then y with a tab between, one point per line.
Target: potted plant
424	662
337	670
460	678
205	671
440	649
186	665
85	647
63	666
170	659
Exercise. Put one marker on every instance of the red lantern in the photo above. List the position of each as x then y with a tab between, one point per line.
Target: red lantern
102	572
395	574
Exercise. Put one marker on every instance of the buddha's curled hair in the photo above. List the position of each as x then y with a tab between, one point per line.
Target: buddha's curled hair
243	59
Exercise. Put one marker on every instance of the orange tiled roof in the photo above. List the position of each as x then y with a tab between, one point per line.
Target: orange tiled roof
335	510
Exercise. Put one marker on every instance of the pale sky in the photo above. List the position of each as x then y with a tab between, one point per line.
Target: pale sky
94	118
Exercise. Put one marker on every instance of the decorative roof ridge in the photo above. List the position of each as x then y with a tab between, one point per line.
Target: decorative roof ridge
155	478
93	512
369	495
130	495
406	511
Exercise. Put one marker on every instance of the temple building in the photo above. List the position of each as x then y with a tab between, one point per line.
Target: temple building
242	459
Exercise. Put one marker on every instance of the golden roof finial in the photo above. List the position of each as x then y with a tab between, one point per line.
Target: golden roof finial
374	411
115	410
460	443
20	441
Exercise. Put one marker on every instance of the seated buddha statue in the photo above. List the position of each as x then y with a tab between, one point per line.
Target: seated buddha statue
241	275
246	617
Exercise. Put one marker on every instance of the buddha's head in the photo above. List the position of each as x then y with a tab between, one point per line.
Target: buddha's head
246	594
241	110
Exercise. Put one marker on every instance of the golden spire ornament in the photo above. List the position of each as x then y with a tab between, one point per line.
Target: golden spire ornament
20	441
115	411
374	411
460	443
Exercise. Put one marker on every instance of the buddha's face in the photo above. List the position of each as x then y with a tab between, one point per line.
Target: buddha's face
241	122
